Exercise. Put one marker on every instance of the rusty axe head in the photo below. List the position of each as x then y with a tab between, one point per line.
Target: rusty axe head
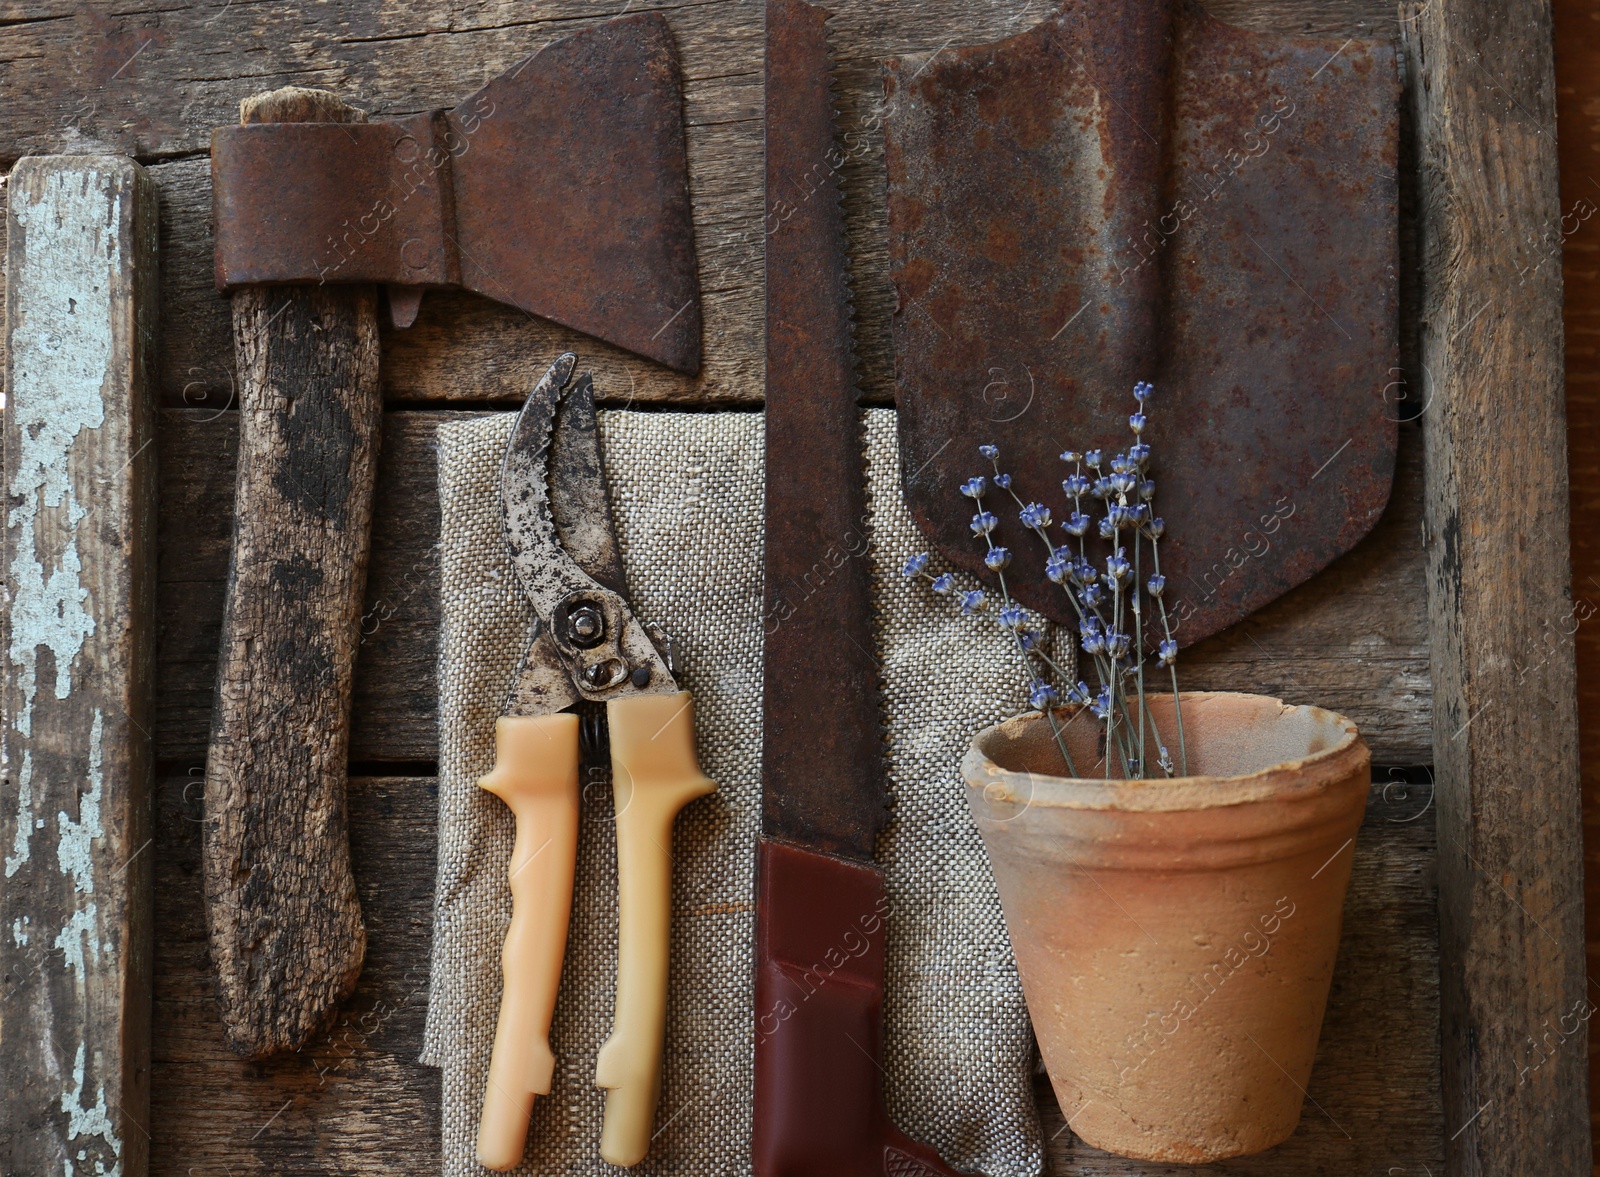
560	188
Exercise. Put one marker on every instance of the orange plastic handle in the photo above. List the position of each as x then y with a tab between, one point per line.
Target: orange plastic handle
655	774
536	774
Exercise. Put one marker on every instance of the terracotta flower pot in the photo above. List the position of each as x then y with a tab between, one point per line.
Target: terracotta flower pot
1176	938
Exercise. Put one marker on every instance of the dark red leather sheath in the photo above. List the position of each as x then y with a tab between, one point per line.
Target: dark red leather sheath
819	1004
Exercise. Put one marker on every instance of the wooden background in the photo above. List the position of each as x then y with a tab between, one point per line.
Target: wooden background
153	77
1578	98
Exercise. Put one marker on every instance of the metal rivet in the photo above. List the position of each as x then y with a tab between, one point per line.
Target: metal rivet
641	676
585	626
605	674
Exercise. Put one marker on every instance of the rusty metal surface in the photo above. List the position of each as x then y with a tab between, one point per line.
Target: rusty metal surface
561	188
1140	192
616	659
822	756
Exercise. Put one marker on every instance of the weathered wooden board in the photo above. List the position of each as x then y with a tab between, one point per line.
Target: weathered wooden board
1514	987
394	708
155	78
1373	1103
1353	639
1577	238
356	1101
79	559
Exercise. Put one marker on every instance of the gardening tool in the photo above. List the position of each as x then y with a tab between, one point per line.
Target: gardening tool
587	645
1141	192
571	164
821	904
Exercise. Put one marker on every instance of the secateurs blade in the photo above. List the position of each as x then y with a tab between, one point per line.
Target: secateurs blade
587	645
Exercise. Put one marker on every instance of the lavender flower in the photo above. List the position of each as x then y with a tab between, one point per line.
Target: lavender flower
1102	703
1105	593
1035	515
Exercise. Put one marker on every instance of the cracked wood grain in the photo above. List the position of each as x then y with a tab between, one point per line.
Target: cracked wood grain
80	579
286	931
1514	987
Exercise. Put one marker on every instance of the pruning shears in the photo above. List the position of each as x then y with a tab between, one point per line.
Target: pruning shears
587	645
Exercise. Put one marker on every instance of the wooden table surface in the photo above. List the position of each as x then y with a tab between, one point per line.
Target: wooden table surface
153	77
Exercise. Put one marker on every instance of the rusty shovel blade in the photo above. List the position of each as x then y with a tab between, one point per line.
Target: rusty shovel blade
1141	192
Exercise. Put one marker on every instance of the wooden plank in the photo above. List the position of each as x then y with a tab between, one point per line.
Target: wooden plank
1352	639
156	78
393	709
80	573
1577	28
1505	721
1373	1104
354	1099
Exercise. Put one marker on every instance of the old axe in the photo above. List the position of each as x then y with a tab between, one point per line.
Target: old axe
560	188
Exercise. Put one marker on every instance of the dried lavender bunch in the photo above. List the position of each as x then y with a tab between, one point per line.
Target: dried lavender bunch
1109	603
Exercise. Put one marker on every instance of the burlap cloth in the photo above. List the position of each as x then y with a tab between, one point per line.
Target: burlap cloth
687	492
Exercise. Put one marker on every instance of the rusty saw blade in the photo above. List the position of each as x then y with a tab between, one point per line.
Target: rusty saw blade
1134	192
819	1104
823	766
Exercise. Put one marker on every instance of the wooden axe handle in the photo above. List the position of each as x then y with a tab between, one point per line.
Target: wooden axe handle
285	922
